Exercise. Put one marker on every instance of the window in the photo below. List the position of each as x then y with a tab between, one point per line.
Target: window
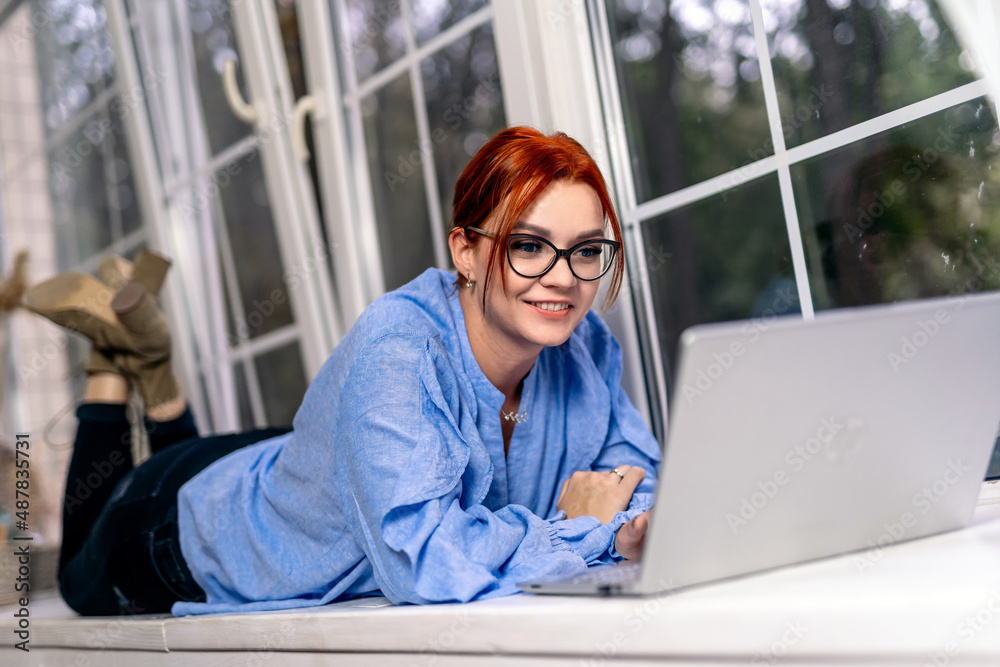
422	93
796	156
68	194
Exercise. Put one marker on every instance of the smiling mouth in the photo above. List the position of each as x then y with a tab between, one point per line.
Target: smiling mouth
555	307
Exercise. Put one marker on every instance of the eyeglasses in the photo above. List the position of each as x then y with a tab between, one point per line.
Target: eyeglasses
532	256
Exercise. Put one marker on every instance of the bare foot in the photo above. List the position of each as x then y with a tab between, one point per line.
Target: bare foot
105	388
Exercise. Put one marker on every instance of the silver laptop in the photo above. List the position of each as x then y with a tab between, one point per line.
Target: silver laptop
792	440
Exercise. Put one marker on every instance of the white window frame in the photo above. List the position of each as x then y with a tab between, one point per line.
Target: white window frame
201	305
344	172
545	46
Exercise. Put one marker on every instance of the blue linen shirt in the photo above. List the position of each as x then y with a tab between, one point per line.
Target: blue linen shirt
394	478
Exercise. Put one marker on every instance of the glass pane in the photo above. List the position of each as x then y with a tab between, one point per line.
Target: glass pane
291	39
233	339
690	87
395	158
203	386
249	223
158	79
993	472
432	17
288	23
122	192
282	383
723	258
374	33
913	212
464	105
243	398
214	43
837	63
77	184
75	60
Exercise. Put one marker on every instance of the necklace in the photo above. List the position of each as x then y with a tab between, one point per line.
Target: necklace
513	416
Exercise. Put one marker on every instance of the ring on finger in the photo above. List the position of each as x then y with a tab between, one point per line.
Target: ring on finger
619	473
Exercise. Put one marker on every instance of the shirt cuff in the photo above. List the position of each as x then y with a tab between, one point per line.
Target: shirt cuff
585	536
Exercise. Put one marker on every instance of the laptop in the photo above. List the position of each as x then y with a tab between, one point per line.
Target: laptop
793	440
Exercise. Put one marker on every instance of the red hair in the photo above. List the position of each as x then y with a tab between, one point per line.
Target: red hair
509	172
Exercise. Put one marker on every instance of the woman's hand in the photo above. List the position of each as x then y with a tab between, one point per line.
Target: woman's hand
599	494
632	536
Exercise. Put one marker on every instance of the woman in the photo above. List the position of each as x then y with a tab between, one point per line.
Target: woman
463	436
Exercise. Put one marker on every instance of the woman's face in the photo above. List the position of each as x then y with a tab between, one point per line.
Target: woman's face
543	311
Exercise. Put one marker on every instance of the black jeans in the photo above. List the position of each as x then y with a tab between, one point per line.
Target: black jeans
120	551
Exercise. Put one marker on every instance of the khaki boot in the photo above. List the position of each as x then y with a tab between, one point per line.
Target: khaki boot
147	363
149	269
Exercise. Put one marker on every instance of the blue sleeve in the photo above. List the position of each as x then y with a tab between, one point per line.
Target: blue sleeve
629	440
412	503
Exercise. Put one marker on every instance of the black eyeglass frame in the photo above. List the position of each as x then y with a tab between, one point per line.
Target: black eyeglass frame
560	253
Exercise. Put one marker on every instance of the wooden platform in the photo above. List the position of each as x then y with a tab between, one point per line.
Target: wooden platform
931	602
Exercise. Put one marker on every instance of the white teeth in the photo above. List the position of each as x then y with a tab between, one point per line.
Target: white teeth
550	306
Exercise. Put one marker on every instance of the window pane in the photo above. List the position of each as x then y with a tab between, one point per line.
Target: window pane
690	87
282	383
79	194
214	43
75	60
464	105
243	398
432	17
910	213
395	158
123	196
723	258
993	472
837	63
374	33
249	224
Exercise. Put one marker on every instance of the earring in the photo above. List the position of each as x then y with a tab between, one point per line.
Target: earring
469	283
